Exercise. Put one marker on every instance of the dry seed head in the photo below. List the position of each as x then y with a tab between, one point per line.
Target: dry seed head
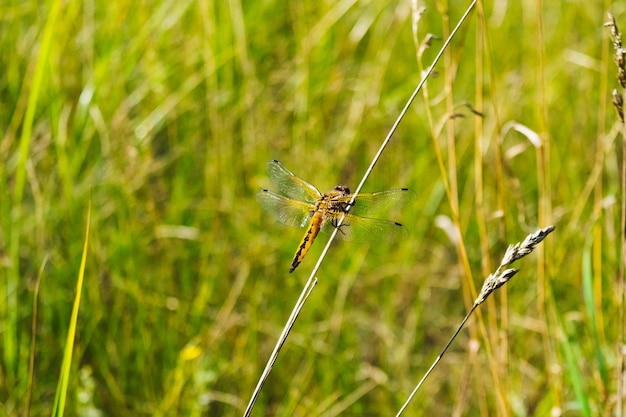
513	253
620	52
618	102
417	12
519	250
426	43
493	282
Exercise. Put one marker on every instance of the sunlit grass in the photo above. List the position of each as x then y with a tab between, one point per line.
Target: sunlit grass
165	114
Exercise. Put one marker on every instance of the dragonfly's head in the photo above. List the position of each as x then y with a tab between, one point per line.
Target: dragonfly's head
342	189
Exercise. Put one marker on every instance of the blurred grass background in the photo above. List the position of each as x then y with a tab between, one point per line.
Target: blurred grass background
165	113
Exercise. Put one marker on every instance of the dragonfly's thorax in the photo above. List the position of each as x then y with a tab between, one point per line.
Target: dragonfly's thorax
331	202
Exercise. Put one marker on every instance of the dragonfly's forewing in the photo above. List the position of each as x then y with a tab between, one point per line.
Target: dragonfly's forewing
364	229
381	202
291	185
287	211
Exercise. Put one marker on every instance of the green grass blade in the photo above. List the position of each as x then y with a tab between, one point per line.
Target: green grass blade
61	393
591	308
576	376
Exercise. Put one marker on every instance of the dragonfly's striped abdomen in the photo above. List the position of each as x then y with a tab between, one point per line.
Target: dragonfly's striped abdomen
326	205
307	240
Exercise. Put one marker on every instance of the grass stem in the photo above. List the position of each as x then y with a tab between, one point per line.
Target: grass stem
492	283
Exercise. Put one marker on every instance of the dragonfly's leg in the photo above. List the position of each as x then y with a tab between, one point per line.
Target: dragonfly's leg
335	222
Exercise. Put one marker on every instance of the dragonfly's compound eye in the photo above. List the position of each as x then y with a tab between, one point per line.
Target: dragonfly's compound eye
342	189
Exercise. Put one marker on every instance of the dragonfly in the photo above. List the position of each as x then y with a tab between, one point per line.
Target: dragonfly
300	204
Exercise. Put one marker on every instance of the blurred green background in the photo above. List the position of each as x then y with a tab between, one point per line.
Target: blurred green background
164	114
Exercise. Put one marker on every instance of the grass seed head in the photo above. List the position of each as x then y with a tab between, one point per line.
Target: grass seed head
620	53
519	250
493	282
618	102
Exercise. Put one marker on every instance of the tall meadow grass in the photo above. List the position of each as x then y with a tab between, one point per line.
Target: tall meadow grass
164	114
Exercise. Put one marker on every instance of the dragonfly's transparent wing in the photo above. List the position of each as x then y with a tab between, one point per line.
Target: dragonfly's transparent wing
287	211
364	229
291	185
375	203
